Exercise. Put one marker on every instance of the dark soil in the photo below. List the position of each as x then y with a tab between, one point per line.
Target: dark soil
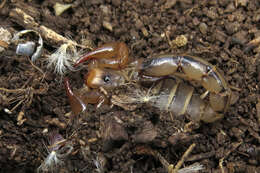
217	31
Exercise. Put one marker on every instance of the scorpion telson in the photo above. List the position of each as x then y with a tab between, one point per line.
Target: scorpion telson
179	98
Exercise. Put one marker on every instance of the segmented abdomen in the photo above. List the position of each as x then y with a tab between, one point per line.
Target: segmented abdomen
180	98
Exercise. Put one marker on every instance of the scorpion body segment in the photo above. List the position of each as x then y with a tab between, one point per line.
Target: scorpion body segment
191	68
180	98
112	59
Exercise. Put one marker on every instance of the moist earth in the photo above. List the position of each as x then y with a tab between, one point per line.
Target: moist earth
218	31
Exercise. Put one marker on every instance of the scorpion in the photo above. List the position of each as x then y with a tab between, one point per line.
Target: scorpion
108	62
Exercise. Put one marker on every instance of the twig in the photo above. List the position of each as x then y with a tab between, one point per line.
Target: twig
37	68
48	34
3	4
170	167
3	44
21	90
221	165
252	44
183	158
234	147
201	156
20	102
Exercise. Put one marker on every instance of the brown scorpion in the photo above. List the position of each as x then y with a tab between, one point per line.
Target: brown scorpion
110	60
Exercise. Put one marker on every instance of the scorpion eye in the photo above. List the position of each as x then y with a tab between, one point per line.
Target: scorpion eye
106	78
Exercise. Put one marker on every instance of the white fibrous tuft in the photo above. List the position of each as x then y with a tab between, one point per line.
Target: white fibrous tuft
140	96
100	163
98	166
192	168
55	160
51	164
63	59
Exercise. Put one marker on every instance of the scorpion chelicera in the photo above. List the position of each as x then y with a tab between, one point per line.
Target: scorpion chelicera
110	60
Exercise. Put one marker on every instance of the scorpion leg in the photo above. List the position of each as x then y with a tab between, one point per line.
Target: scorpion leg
111	55
79	99
76	104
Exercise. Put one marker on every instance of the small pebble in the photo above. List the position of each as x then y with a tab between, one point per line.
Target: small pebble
5	36
232	27
60	8
139	24
105	9
68	1
211	13
169	4
108	26
116	2
230	8
243	3
180	41
147	3
220	36
195	21
144	31
240	37
203	28
95	2
223	2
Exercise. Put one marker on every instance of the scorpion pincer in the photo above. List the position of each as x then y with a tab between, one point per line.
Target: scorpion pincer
179	98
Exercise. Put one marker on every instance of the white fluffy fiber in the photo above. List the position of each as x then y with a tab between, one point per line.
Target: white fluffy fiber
62	60
55	160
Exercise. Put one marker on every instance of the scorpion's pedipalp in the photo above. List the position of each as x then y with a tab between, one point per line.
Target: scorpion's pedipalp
112	55
76	104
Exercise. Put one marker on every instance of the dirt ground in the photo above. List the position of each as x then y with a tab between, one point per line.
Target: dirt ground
219	31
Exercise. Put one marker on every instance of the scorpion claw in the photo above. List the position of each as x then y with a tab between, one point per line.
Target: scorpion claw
77	105
112	55
82	59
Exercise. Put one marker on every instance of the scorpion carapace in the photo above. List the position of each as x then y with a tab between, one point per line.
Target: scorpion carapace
106	78
181	98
